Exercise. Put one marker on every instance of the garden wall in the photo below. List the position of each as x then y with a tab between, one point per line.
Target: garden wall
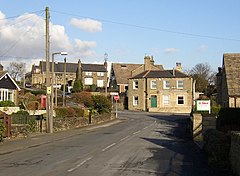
235	152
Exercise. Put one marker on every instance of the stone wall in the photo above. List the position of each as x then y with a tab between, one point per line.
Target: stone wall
235	152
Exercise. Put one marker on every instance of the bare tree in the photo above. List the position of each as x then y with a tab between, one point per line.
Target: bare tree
204	76
17	70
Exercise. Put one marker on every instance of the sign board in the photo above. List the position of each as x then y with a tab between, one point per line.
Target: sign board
203	105
49	90
116	97
113	93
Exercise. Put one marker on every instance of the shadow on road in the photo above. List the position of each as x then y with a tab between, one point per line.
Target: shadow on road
176	153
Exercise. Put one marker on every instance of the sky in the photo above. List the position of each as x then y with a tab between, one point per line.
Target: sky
171	31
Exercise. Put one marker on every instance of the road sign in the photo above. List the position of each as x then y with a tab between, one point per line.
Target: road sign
116	97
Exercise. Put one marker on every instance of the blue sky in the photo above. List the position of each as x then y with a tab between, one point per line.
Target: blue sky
172	31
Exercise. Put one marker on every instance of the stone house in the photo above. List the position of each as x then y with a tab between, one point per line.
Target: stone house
89	74
121	72
8	87
228	81
157	90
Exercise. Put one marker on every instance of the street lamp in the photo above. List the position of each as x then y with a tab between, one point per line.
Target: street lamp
52	95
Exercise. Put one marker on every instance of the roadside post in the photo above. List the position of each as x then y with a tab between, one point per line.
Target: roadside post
116	98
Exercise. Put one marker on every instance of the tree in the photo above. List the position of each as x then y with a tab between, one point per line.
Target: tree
17	70
77	86
203	75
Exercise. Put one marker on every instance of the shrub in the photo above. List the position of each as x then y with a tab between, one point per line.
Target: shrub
102	104
20	117
33	105
77	86
2	130
6	104
38	92
63	112
84	98
79	112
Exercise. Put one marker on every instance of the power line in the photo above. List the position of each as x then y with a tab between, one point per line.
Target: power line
151	28
21	15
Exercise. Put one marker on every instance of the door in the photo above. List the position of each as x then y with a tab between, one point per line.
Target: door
153	101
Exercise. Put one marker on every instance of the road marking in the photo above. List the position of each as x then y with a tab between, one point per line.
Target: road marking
124	138
108	147
145	128
80	164
137	132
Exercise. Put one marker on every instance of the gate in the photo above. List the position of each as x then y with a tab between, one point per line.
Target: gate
7	121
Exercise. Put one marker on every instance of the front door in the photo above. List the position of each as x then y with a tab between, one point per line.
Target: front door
153	101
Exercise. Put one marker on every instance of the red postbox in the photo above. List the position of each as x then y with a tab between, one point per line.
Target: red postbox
43	101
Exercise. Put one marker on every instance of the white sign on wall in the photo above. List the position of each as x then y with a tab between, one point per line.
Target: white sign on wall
203	105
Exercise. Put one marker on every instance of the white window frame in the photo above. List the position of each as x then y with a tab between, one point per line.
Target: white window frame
135	84
6	95
178	99
135	102
180	85
88	81
100	83
165	84
88	73
100	73
153	84
166	99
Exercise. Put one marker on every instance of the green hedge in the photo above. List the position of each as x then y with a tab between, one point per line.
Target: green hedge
2	130
6	104
228	119
64	112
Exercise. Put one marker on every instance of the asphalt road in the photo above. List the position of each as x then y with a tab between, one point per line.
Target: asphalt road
141	144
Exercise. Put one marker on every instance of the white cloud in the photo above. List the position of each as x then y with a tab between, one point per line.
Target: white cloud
171	50
88	25
23	38
202	48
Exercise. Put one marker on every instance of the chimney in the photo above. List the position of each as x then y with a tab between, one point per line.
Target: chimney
1	67
179	66
148	62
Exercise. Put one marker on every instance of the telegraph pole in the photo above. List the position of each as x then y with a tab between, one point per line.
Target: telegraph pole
48	103
64	82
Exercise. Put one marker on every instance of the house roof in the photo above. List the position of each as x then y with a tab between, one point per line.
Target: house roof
72	67
161	74
123	71
7	82
231	65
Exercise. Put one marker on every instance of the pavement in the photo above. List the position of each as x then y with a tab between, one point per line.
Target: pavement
10	145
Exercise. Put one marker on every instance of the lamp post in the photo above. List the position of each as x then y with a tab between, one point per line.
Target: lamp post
52	92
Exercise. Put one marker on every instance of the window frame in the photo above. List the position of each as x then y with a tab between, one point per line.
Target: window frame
135	102
183	100
165	84
152	87
86	82
100	73
135	86
180	84
88	73
102	83
164	100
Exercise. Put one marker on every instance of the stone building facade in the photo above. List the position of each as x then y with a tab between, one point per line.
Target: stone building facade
158	90
89	74
228	81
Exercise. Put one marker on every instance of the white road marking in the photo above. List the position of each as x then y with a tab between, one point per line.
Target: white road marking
124	138
145	128
108	147
80	164
137	132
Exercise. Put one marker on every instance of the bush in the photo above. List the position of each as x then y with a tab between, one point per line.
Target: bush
228	119
33	105
102	104
2	130
38	92
84	98
79	112
63	112
20	117
6	104
77	86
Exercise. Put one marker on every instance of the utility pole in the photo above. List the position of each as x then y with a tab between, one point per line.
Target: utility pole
48	103
106	80
64	82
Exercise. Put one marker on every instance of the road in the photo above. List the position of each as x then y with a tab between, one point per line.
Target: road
141	144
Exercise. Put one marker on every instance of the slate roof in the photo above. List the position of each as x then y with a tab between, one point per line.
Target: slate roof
72	67
123	71
231	64
160	74
8	82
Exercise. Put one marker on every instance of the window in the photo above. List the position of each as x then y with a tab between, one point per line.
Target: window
180	84
100	73
88	81
88	73
100	83
166	84
153	84
135	100
6	94
166	99
180	100
135	84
